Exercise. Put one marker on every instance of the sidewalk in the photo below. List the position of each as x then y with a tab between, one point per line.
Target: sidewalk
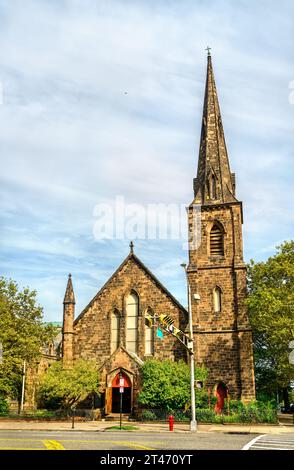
102	426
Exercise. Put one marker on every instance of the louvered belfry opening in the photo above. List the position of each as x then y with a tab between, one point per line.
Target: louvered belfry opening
216	241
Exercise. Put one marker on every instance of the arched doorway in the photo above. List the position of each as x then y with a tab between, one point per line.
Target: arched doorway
126	395
221	392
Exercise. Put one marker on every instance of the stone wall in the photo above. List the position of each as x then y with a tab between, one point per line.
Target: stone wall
223	340
92	338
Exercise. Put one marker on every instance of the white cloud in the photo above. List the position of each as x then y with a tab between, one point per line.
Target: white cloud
104	98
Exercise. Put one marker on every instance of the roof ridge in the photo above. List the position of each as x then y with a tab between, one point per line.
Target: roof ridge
138	261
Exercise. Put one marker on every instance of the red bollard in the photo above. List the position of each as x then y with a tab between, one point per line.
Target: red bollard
171	420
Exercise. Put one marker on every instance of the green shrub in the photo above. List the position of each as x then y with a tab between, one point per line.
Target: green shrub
233	406
148	415
166	385
205	415
65	387
39	415
52	403
181	415
201	398
253	412
3	405
258	412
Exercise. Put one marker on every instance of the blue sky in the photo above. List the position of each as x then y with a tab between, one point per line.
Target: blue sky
104	98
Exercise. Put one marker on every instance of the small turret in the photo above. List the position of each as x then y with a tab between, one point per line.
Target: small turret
68	319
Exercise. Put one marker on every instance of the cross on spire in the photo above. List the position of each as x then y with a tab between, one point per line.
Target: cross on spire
208	49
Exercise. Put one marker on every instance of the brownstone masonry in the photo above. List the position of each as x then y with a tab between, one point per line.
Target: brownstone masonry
120	349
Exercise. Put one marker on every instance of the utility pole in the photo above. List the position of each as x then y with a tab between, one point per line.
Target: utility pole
193	422
167	323
1	352
73	411
121	391
23	385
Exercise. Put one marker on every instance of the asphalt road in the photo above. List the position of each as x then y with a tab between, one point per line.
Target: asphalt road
121	440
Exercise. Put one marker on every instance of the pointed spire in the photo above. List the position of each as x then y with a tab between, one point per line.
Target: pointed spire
69	297
214	183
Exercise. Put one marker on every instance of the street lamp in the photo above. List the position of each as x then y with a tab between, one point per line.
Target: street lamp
193	422
1	352
121	390
23	386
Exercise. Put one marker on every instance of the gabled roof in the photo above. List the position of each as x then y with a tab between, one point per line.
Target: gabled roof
132	355
134	258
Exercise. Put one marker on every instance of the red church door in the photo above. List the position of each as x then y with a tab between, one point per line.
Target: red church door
221	393
126	395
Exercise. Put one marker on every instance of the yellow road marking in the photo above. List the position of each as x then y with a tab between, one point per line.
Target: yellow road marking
134	445
56	445
124	443
53	445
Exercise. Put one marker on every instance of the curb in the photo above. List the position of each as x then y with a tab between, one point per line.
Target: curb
147	431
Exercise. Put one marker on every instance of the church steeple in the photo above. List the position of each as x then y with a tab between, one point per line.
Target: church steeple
69	297
216	271
215	183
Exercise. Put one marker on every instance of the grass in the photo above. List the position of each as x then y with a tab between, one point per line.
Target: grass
125	427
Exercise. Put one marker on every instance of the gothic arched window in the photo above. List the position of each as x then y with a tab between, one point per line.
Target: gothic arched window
132	310
217	299
149	336
115	327
216	241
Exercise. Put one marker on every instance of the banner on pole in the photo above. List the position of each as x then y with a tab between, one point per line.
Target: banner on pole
159	333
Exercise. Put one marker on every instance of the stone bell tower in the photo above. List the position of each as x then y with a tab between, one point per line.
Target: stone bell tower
222	333
68	319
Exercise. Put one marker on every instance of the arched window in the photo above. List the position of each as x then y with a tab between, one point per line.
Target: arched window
115	327
217	299
149	336
132	308
216	241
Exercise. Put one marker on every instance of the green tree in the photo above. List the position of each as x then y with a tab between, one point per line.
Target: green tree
69	386
166	384
22	334
271	311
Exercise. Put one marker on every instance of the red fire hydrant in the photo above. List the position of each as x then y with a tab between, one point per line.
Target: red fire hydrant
171	420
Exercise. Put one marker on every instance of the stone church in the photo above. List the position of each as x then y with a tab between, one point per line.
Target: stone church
112	328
